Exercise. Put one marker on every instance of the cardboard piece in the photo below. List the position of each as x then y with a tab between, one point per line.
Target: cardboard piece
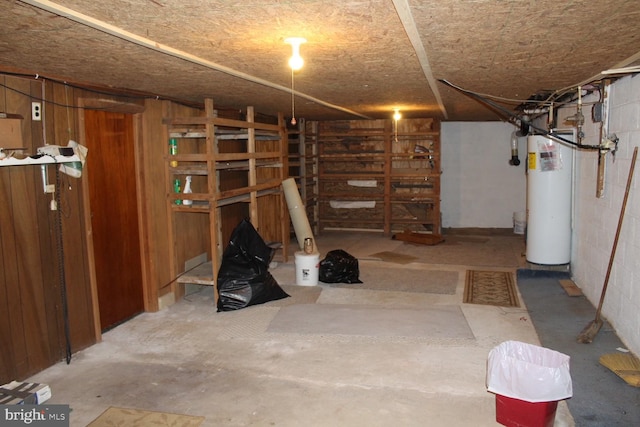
11	133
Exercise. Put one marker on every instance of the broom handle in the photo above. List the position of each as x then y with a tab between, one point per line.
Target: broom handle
615	240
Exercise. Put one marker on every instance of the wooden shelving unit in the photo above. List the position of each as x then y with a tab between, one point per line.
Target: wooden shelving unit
231	162
379	175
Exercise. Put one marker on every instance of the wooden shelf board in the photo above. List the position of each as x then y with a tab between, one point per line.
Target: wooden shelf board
200	275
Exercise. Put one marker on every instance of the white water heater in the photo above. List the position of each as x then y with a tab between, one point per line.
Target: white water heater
549	199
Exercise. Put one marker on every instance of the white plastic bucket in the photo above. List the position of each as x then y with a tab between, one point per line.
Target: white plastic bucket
307	268
519	222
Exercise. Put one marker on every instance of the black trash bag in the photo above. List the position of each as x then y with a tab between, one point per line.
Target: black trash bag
339	267
243	278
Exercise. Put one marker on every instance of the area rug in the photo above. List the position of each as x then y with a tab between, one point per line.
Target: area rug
404	280
490	288
433	322
125	417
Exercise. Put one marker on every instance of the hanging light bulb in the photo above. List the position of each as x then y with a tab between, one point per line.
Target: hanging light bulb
396	116
295	62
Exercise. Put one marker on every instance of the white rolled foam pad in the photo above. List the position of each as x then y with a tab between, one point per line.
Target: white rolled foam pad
297	212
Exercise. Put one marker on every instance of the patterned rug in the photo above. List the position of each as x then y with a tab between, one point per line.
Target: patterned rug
137	418
490	288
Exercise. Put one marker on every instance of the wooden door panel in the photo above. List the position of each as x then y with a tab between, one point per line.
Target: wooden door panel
112	188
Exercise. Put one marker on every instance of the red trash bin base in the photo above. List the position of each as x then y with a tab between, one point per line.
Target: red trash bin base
519	413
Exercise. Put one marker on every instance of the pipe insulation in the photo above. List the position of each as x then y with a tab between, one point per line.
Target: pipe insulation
297	213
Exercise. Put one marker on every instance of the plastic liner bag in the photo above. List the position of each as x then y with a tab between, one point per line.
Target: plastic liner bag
528	372
243	278
339	267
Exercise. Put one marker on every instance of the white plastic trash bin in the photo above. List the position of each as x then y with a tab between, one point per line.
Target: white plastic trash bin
528	381
307	268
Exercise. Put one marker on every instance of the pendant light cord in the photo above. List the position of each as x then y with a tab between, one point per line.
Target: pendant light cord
293	100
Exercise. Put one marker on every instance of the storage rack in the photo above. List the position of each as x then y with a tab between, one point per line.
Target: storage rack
257	155
379	175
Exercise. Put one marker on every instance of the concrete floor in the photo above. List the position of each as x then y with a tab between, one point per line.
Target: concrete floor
230	368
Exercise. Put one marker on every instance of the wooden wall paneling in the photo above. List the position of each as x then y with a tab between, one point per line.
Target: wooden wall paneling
141	201
87	228
12	331
153	209
77	271
27	248
29	262
51	130
46	224
12	328
51	270
169	110
7	284
27	234
6	359
30	302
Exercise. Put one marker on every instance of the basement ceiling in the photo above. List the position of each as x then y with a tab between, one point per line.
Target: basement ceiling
362	58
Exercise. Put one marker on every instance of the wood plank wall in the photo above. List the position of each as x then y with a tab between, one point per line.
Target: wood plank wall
31	321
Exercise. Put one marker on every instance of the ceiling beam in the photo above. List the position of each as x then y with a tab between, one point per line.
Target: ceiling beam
168	50
406	17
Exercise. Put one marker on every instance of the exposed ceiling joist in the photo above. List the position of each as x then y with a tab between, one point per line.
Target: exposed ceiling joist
404	13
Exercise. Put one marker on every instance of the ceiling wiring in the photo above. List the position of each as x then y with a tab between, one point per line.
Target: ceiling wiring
518	120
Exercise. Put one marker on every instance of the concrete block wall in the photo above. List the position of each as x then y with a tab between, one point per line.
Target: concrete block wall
596	219
479	189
